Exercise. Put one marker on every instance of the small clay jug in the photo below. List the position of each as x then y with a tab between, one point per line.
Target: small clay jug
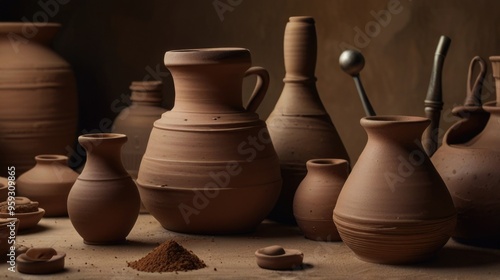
39	109
49	183
394	207
316	197
210	166
299	125
468	161
136	121
103	204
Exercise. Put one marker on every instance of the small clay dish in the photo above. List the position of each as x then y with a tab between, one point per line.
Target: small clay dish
40	261
26	220
276	258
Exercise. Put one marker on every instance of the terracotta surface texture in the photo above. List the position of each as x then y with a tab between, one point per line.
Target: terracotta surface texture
210	166
300	127
103	204
394	207
38	112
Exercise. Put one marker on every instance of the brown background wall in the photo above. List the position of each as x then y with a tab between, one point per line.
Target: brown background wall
111	43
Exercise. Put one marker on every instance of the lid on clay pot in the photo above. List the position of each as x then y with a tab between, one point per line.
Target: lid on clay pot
207	56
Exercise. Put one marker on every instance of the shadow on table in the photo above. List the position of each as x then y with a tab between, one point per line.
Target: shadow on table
461	257
34	230
272	229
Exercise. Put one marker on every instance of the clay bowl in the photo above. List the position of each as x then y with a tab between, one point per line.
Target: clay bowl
26	220
276	258
30	266
209	211
5	233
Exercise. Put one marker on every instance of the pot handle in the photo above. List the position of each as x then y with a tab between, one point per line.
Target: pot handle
260	87
474	90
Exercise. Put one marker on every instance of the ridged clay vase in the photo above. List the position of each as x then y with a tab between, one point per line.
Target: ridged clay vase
300	127
38	112
103	204
49	183
210	166
394	207
316	197
468	161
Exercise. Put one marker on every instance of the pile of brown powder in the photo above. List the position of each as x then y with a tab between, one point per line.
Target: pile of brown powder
168	257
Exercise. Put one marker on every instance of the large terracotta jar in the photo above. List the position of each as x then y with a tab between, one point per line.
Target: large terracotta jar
49	183
103	204
38	112
316	197
210	166
299	125
136	121
394	207
468	161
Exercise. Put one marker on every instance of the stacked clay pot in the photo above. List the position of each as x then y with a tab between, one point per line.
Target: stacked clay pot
394	207
38	111
49	183
210	166
299	125
316	197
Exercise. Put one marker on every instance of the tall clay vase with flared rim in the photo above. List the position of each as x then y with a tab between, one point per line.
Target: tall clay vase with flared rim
468	161
103	204
210	166
39	109
300	127
394	207
49	183
316	197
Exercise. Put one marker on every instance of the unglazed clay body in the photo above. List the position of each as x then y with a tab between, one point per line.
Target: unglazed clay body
103	204
38	111
299	125
210	166
316	197
394	207
49	183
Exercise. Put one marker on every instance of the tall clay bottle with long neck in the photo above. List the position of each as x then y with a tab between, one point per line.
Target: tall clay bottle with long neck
299	125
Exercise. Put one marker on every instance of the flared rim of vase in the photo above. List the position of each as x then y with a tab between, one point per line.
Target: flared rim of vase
102	136
202	56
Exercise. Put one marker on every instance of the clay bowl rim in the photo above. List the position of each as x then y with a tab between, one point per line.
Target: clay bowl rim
327	161
494	58
36	216
387	119
103	136
306	19
492	106
50	157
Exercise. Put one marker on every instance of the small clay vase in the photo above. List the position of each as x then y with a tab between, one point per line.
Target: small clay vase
39	110
394	207
136	121
49	183
210	166
468	161
299	125
316	197
103	204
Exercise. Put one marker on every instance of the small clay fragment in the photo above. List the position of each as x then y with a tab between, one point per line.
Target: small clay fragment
40	261
276	258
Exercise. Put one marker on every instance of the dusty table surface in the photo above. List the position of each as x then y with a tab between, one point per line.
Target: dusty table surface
232	257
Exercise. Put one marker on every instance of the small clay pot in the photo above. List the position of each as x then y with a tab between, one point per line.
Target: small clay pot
316	197
103	204
40	261
49	183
